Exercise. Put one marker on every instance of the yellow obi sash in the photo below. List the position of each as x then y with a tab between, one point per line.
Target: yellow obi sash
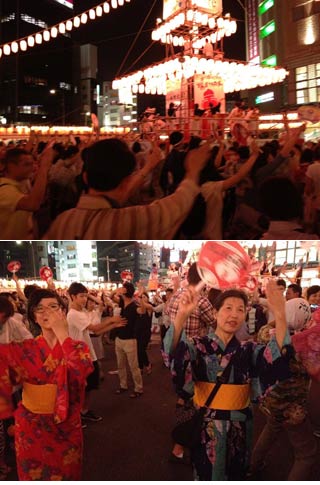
39	399
230	397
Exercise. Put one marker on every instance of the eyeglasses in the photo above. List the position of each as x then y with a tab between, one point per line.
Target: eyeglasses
41	309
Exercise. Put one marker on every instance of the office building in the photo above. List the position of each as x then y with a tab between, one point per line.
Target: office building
38	86
287	34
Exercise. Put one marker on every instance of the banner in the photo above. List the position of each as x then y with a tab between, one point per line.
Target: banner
208	89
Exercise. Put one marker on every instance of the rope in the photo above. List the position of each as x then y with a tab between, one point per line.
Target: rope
136	38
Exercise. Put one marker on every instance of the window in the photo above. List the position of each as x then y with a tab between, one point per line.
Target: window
86	265
308	84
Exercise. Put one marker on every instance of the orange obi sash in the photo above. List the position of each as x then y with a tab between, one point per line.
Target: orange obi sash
230	397
39	398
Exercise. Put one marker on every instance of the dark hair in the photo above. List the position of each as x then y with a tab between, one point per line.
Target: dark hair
312	290
280	199
193	275
136	147
107	163
130	289
281	282
233	293
175	137
76	288
34	300
6	307
213	295
296	289
13	155
29	289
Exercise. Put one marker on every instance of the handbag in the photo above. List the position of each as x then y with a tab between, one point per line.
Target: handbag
188	432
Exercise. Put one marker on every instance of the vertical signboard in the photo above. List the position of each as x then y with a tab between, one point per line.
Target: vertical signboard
253	31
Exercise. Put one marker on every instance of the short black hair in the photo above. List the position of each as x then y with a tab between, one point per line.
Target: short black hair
76	288
34	300
281	282
193	276
175	137
29	289
296	289
312	290
233	293
130	289
6	307
107	163
13	155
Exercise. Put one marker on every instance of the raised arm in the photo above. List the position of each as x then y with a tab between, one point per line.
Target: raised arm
276	303
186	306
244	169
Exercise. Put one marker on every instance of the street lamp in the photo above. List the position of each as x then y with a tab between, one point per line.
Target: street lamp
108	260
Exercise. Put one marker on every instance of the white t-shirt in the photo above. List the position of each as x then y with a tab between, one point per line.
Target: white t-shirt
13	331
78	321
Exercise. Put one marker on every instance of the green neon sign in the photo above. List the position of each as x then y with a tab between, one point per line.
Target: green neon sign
265	6
270	61
267	29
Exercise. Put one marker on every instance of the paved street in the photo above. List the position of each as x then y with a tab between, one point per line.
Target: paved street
133	440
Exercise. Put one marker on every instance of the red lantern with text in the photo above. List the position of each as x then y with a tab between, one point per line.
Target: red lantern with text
126	275
14	266
45	273
225	264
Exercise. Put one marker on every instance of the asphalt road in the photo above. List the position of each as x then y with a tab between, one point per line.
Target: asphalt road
133	442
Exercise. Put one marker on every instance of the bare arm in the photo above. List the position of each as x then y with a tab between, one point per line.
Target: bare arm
244	169
32	201
20	293
107	324
276	302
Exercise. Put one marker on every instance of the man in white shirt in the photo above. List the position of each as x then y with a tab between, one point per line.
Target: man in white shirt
80	326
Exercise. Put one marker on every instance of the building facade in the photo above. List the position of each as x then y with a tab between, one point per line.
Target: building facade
34	88
285	34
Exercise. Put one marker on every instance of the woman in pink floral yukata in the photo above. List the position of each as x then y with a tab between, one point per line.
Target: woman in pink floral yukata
52	369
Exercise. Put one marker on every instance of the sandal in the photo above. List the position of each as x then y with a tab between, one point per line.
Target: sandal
135	394
121	390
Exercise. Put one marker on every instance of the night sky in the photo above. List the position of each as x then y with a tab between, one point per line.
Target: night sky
114	33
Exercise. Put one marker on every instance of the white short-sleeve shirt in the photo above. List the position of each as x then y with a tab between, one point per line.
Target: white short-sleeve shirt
78	322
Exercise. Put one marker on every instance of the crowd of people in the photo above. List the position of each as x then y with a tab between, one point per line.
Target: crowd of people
253	345
145	188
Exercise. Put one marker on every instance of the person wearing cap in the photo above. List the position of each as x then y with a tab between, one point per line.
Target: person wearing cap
286	404
245	370
110	177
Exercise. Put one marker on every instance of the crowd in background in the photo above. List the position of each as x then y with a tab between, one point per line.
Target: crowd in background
44	319
141	187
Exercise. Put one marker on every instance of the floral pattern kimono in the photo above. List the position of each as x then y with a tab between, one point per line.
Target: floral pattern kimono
48	446
224	453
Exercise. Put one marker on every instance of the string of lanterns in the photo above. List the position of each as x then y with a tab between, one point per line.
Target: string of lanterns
220	27
236	76
60	29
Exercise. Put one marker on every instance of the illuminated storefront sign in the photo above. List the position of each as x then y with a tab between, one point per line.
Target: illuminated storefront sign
265	98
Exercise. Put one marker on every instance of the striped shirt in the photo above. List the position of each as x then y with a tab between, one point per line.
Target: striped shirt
94	218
